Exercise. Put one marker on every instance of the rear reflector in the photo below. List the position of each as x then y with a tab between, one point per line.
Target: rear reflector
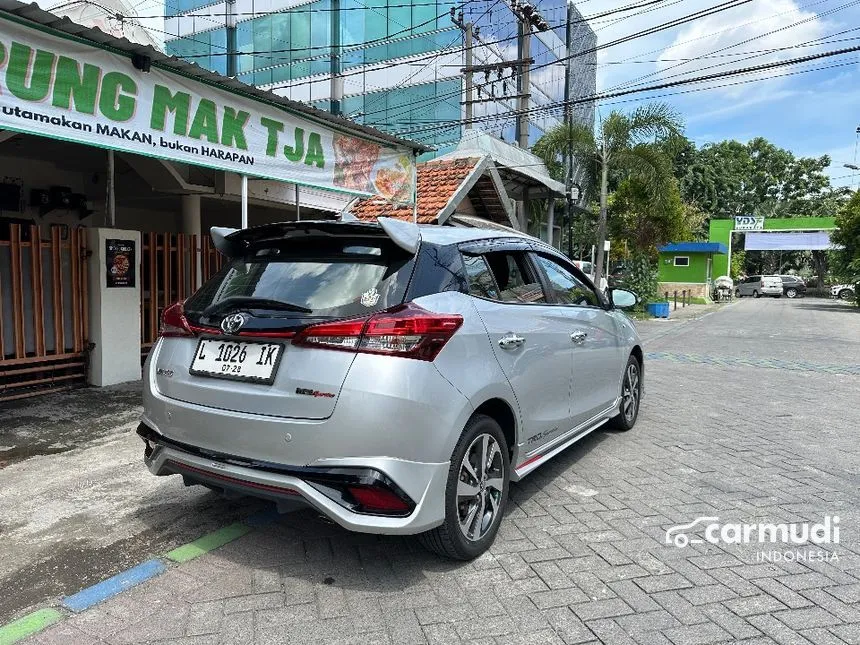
377	500
408	331
173	322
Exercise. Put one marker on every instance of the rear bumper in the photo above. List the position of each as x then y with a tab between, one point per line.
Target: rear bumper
424	484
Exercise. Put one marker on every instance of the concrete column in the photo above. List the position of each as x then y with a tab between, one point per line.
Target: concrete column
114	313
191	225
550	220
191	214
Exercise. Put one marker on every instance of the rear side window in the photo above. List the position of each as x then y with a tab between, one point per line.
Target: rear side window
506	276
326	278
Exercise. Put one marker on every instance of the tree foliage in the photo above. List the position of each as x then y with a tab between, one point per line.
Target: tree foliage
757	178
625	146
847	235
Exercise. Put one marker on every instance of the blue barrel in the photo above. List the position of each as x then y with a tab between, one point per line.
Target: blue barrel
658	309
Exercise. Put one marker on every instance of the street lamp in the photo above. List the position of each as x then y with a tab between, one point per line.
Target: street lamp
851	166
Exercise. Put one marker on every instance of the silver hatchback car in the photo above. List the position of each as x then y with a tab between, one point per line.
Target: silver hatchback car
394	377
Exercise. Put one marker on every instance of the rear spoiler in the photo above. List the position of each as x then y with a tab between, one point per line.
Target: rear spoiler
232	242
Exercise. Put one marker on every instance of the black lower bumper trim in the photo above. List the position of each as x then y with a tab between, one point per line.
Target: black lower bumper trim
331	482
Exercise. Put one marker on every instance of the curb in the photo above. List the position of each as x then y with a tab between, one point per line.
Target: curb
41	619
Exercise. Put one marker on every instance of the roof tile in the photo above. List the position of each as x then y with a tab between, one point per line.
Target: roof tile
438	181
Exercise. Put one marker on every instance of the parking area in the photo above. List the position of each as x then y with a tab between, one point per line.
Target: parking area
750	417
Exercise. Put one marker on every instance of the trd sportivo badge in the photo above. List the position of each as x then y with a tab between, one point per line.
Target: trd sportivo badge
233	323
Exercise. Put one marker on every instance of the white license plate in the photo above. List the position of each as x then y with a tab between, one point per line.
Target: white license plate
237	360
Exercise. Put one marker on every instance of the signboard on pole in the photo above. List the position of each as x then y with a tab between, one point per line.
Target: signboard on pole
65	88
749	223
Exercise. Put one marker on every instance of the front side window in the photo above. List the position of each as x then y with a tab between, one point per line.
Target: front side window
568	289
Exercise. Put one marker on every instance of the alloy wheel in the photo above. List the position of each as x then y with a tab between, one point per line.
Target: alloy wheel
630	393
480	487
791	293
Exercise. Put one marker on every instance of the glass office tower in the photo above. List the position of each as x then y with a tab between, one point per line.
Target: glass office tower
400	61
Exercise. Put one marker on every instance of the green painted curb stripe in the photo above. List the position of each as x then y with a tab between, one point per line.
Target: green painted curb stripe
208	542
28	625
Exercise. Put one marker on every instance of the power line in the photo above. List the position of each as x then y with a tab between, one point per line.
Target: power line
725	6
738	44
698	79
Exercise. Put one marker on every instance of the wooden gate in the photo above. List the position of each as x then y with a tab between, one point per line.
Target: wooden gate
43	310
174	265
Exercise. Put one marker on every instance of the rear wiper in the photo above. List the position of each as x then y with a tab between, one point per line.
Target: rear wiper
234	302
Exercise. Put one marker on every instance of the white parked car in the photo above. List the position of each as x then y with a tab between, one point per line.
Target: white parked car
842	291
759	285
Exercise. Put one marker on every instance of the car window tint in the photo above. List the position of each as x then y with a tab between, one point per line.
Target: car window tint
481	281
568	289
515	277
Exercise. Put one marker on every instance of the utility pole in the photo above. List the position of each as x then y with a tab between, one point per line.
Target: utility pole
468	70
336	78
230	24
568	121
524	31
469	63
527	18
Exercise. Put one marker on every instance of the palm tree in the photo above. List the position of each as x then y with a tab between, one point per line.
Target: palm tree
623	143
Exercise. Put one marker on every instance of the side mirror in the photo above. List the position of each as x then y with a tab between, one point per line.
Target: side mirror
623	299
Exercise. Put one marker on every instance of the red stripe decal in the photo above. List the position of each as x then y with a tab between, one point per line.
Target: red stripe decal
528	461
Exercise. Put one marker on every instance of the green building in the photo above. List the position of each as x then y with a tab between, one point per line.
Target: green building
689	266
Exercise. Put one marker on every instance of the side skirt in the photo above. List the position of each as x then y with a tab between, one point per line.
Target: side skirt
545	453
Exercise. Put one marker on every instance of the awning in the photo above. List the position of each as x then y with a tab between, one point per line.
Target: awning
808	241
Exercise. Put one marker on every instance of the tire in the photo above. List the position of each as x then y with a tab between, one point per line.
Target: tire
738	293
450	539
791	293
755	294
846	294
626	417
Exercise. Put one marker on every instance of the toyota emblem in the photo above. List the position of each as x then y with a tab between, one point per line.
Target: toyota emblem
233	323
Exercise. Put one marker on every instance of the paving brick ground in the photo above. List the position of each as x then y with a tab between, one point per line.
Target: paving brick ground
581	556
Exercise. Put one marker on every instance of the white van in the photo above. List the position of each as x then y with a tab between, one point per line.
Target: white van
760	285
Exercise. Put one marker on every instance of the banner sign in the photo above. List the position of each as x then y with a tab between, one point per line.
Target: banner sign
119	263
749	223
65	89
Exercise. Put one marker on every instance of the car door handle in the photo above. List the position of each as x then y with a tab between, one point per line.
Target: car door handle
512	341
578	337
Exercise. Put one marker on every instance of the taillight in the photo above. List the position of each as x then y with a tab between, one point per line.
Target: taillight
173	322
407	331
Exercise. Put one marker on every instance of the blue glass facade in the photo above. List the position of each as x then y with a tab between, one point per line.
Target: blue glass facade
419	99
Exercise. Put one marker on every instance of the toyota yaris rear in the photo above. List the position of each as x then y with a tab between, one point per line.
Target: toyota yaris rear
342	366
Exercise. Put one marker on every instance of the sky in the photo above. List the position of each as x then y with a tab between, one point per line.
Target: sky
811	114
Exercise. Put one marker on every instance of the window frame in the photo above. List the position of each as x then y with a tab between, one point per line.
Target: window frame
681	257
472	249
571	268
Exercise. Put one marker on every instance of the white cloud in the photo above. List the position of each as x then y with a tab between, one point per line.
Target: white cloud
738	38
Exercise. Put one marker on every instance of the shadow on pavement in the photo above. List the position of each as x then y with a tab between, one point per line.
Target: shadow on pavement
833	305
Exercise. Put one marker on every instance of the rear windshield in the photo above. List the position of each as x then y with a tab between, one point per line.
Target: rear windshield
320	278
